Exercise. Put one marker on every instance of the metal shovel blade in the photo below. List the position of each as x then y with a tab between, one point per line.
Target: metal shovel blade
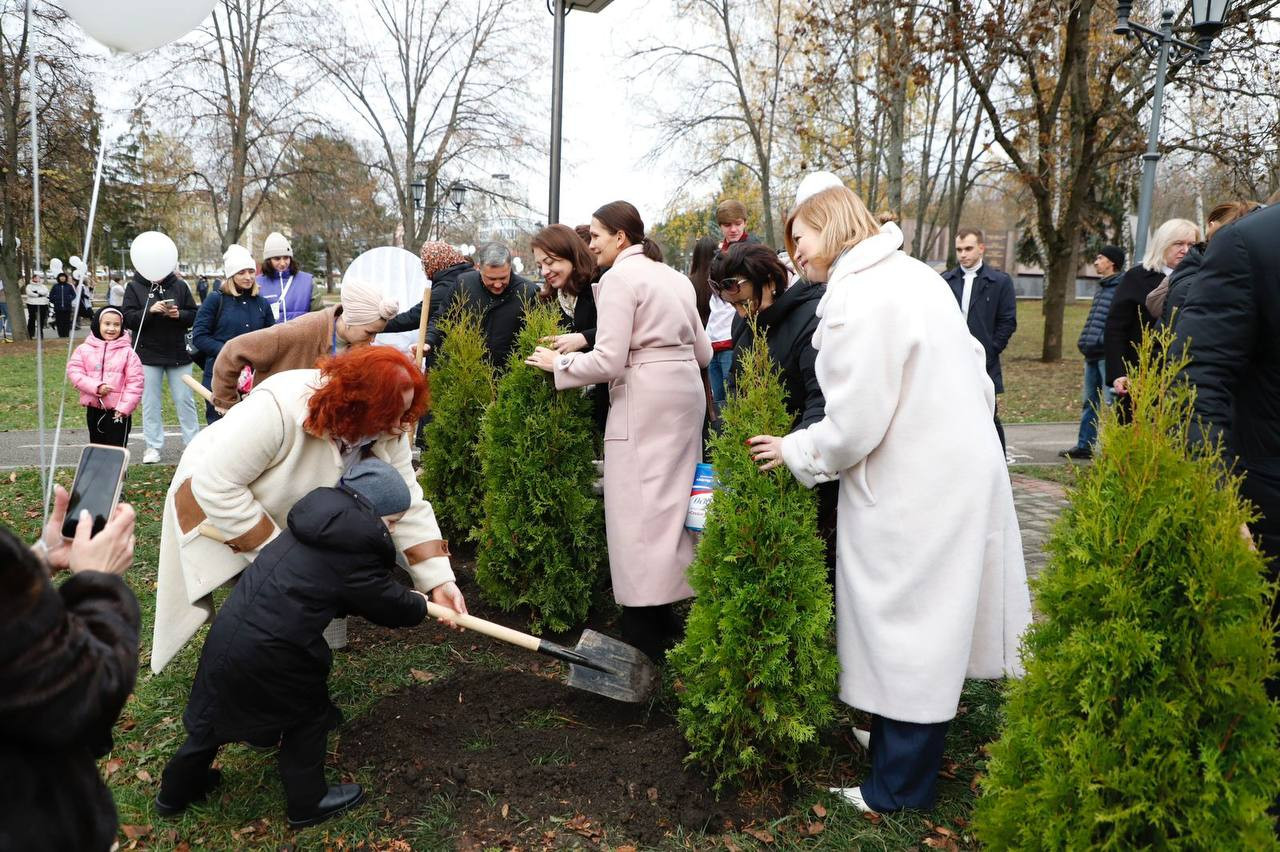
624	673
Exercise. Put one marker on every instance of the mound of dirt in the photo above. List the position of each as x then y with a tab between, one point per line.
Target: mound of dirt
517	749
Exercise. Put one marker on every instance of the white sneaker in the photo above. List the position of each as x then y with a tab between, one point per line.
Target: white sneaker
863	737
151	456
853	795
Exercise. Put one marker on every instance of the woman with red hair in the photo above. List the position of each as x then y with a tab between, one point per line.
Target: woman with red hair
298	430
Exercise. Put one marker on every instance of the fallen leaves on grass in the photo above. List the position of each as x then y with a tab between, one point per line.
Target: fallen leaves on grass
143	776
759	834
819	811
134	832
423	677
112	766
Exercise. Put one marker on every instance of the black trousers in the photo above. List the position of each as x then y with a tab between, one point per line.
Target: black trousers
62	321
37	317
653	629
999	425
105	429
828	503
905	759
300	759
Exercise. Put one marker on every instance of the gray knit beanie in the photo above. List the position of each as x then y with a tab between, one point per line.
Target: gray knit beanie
380	484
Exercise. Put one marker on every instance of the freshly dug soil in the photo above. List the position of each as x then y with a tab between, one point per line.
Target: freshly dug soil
517	748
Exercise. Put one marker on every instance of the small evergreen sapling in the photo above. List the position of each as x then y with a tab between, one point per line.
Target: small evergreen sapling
1143	722
757	670
541	541
463	384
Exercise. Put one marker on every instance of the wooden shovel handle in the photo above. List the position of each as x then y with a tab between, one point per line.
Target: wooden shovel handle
204	392
422	326
479	625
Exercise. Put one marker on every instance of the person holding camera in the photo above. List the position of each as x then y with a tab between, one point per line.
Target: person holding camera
68	660
159	314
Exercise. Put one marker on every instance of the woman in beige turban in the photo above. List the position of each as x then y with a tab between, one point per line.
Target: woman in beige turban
299	343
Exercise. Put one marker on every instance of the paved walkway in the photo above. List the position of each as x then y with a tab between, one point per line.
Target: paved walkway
1039	503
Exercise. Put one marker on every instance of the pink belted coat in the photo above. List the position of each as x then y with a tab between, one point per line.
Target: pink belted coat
650	348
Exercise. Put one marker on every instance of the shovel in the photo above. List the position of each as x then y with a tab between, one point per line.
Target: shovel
597	663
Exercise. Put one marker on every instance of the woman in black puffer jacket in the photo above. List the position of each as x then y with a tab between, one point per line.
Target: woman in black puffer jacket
752	279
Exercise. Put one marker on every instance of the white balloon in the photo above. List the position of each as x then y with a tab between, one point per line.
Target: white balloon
132	26
76	262
401	276
154	255
55	266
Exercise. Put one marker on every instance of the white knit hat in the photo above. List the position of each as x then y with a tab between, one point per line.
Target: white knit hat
816	182
237	259
277	245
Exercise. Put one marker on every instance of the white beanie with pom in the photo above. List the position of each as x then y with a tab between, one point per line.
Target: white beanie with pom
236	259
277	245
363	303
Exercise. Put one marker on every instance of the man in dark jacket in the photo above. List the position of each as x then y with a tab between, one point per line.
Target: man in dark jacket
1108	263
493	290
1230	326
159	313
264	670
68	660
985	295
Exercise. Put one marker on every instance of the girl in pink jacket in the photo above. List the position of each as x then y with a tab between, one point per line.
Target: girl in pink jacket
108	374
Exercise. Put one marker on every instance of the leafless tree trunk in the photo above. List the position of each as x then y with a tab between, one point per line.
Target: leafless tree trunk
737	81
240	90
441	89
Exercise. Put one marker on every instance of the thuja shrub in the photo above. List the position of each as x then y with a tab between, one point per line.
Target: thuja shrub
463	386
756	673
540	544
1143	722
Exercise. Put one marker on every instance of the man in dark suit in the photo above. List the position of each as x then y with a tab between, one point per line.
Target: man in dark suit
985	295
1230	328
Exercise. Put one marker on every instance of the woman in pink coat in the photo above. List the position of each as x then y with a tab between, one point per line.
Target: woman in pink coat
650	348
109	376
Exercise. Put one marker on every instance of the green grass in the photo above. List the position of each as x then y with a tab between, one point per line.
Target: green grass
1036	392
18	389
1063	474
248	810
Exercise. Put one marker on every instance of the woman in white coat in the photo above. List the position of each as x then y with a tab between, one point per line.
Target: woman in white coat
930	582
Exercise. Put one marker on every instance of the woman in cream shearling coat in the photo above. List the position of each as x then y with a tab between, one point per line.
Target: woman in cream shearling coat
930	581
238	480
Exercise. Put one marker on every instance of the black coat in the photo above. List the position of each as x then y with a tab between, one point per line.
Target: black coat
788	325
159	340
1180	282
583	321
1092	336
441	289
62	296
265	666
1230	325
993	313
501	317
68	659
1128	320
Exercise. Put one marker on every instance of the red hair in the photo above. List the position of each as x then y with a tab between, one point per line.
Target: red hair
360	396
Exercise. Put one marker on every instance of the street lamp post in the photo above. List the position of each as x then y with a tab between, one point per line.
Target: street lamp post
1208	17
559	9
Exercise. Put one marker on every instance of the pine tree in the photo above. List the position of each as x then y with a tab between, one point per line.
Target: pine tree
756	667
462	385
1143	721
541	541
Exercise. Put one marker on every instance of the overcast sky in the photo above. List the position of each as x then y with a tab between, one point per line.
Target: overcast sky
604	139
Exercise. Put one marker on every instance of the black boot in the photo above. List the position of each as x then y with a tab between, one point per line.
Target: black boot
339	798
166	808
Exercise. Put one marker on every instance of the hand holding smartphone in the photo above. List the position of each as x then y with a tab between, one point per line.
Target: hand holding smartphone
96	488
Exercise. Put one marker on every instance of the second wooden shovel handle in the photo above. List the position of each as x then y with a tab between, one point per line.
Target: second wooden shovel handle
190	381
479	625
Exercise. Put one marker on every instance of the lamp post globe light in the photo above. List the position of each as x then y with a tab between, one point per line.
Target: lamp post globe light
1207	20
559	9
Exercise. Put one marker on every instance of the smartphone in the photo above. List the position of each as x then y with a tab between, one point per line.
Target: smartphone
96	488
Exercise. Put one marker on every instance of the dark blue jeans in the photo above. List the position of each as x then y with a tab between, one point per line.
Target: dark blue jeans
905	759
718	374
1096	395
